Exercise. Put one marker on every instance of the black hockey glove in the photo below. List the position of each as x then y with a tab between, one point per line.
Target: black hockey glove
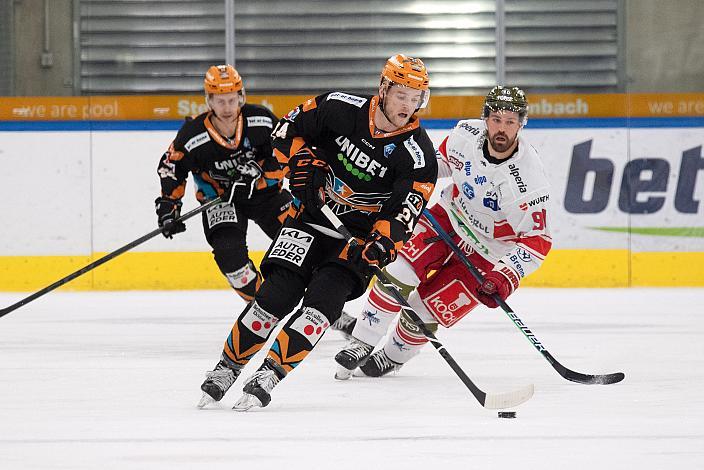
377	250
248	173
168	211
307	175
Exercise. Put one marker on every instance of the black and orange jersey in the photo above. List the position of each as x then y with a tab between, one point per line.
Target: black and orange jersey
213	159
378	181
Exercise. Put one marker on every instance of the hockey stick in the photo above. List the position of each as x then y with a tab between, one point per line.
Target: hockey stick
602	379
102	260
490	401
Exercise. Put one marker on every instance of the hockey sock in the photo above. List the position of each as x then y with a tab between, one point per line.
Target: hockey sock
298	338
377	314
379	310
249	334
245	281
407	340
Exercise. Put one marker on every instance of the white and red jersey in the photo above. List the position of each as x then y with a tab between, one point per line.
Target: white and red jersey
499	210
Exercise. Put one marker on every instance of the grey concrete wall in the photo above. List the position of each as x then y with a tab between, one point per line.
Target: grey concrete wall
30	77
665	46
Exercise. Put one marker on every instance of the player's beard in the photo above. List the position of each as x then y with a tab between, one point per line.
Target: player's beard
500	142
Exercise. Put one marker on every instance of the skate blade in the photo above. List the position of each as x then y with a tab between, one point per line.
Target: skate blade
343	373
205	400
247	402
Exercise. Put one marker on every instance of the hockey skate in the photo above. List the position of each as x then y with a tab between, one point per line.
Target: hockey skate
257	390
379	364
217	382
355	354
345	325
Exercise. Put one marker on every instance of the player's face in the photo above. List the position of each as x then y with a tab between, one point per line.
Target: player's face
502	128
400	103
226	106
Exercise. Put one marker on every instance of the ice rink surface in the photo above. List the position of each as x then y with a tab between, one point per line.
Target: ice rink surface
110	381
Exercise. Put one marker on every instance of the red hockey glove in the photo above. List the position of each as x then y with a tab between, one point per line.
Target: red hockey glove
168	211
501	282
307	174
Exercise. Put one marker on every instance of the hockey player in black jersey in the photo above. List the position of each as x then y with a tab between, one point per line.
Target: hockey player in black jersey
228	151
369	160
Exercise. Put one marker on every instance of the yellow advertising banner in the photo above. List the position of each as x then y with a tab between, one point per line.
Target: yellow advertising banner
170	107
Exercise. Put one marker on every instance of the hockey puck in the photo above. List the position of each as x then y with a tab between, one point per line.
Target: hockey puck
507	414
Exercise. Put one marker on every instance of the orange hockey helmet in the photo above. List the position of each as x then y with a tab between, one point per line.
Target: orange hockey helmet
221	79
409	72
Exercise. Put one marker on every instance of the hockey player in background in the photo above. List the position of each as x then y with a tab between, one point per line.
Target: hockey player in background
370	161
496	211
228	150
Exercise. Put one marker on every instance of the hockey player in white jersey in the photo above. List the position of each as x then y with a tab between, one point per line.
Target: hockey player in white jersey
496	211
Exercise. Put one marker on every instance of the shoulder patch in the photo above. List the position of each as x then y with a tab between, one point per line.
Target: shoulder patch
351	99
415	151
197	141
260	121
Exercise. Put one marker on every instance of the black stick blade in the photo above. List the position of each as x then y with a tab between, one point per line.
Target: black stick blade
598	379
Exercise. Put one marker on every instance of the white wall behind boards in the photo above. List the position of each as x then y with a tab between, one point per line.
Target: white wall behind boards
78	192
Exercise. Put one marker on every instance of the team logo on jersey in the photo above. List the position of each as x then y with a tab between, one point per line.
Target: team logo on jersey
480	180
517	176
468	190
524	255
358	163
415	151
351	99
346	199
538	200
492	204
414	202
197	141
471	129
454	162
477	245
467	168
388	149
291	115
260	121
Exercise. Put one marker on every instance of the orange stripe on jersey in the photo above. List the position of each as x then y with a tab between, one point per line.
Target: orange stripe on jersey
384	228
310	104
296	144
206	177
178	191
426	189
345	250
281	157
173	155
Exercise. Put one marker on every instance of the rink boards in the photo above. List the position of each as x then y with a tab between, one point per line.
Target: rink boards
626	203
